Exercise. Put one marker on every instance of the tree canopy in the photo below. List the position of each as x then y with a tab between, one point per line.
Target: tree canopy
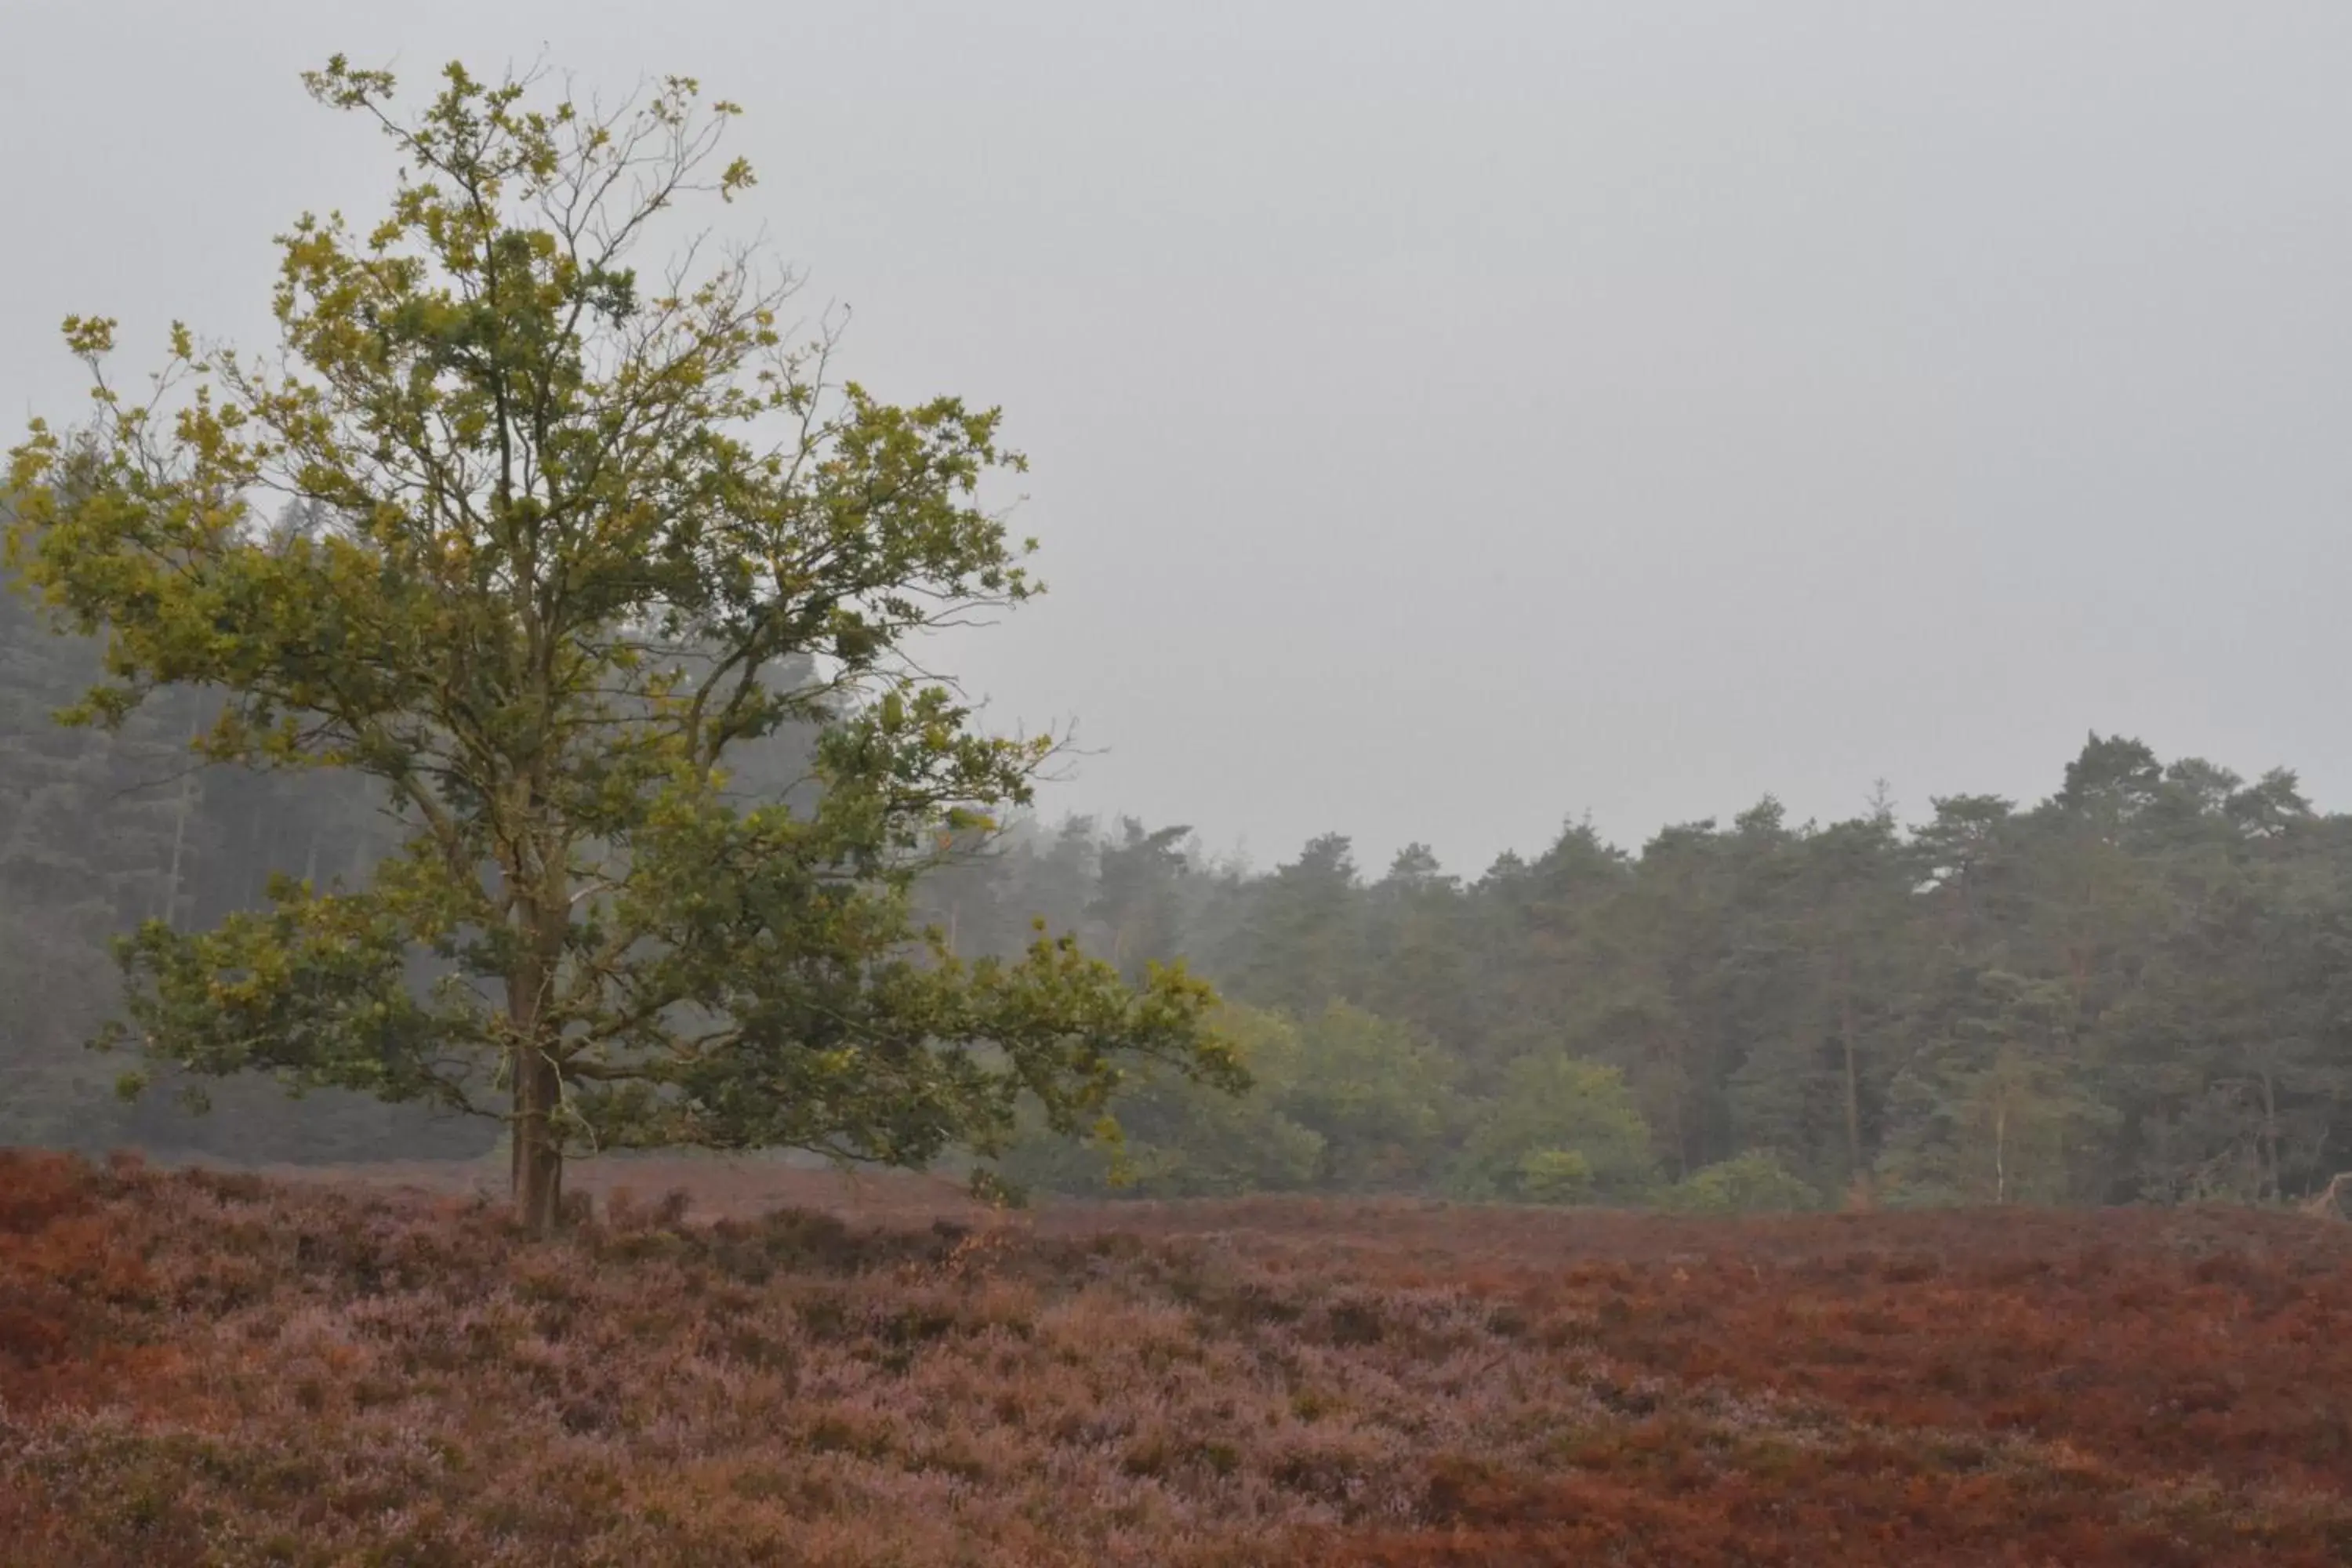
555	540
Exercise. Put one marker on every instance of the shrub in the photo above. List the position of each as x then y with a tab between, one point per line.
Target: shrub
1177	1137
1554	1105
1753	1183
1555	1176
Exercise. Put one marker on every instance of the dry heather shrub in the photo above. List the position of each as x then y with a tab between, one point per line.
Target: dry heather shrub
200	1368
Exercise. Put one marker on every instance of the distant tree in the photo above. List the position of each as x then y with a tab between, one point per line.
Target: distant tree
1378	1094
1537	964
1418	967
1993	1103
1303	946
1138	901
1754	1182
1562	1129
567	531
1665	1014
2227	1058
1818	1082
1168	1136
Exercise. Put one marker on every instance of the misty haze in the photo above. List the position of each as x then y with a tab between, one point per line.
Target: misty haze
1058	784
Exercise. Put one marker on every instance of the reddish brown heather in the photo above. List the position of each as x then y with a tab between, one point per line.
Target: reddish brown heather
209	1368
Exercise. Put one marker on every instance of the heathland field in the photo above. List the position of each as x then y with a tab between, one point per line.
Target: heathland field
751	1365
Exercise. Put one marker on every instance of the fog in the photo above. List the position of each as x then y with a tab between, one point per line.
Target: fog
1448	419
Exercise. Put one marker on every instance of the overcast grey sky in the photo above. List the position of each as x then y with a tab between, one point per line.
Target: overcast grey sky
1448	418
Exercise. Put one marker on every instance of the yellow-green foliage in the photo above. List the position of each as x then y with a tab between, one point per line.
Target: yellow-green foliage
560	528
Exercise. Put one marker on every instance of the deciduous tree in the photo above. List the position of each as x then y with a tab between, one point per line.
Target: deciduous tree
565	528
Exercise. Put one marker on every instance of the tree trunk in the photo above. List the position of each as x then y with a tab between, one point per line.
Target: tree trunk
1858	1172
537	1093
2000	1152
538	1159
170	914
1681	1121
2274	1185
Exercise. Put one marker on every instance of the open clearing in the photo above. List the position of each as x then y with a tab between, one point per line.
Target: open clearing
203	1367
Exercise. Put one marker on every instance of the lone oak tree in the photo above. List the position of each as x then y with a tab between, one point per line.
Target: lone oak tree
567	539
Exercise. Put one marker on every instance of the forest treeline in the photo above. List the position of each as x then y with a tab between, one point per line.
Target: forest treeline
2134	990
